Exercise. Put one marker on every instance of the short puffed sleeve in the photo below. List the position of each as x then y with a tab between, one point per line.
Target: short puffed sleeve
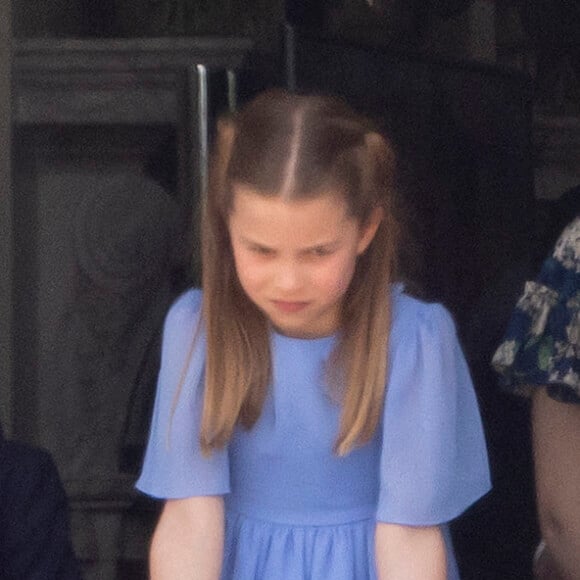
541	346
174	466
434	458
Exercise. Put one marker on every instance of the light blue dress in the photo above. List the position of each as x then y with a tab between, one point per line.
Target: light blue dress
295	511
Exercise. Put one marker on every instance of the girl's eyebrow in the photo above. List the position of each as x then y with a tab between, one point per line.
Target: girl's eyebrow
249	242
323	246
327	245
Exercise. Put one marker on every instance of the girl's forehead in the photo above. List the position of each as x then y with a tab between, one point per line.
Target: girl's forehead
248	200
258	215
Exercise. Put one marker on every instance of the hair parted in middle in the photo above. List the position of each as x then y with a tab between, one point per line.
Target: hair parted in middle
297	147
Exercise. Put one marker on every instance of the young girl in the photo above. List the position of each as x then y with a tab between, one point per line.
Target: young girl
312	421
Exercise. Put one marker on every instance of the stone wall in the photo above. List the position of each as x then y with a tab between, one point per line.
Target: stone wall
131	18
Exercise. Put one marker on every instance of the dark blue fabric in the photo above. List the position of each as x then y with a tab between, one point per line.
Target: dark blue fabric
541	346
35	539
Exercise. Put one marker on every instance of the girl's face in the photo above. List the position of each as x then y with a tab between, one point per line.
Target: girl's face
295	259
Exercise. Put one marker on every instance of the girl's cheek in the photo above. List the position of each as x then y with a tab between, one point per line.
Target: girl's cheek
339	275
252	271
329	283
341	286
243	269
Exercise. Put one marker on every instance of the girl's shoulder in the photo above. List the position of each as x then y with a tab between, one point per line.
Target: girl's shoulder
183	316
412	315
186	307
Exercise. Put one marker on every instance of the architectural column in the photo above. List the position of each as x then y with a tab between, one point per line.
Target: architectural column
5	218
465	34
557	143
480	31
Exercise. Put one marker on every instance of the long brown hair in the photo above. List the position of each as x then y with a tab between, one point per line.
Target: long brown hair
297	146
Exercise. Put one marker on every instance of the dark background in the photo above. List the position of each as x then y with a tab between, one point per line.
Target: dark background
463	134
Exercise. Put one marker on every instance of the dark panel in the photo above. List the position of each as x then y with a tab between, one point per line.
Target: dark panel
463	139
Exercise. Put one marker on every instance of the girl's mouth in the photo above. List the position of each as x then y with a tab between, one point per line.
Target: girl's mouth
289	307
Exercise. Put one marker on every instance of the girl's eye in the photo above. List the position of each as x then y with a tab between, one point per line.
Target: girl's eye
321	252
262	251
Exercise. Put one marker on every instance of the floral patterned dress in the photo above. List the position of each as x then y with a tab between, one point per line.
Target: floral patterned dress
541	346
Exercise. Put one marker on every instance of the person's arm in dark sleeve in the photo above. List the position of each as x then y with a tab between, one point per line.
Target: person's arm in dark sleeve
35	541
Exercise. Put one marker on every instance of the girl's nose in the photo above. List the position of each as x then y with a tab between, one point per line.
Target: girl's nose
289	276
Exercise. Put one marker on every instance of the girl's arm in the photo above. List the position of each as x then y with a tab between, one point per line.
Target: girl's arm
410	553
556	437
188	540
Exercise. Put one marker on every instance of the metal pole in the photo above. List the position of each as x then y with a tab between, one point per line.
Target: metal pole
232	90
290	56
203	135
